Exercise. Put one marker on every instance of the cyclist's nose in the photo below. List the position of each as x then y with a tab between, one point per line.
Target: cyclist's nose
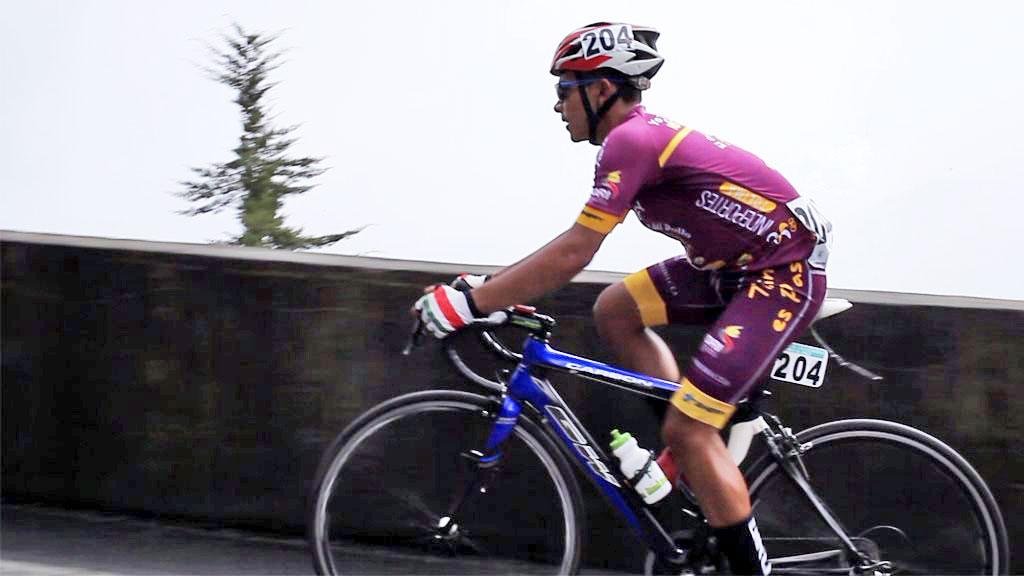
558	107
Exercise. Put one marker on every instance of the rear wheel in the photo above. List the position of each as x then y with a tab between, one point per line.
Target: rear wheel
902	496
404	490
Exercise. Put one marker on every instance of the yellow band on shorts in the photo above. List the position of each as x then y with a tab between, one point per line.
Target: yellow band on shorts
597	220
699	406
652	308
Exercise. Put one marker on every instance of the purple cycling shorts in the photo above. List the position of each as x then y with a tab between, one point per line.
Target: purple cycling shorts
753	314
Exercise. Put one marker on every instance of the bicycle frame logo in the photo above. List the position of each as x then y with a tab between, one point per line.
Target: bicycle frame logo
583	448
595	371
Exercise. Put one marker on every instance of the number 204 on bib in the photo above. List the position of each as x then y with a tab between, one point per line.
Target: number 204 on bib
801	364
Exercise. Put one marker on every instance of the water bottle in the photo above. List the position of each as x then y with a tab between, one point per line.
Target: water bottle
640	467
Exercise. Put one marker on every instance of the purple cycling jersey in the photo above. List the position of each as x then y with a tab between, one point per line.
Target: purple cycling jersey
725	205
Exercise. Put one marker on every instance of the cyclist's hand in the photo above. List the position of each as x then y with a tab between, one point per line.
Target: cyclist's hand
467	282
445	310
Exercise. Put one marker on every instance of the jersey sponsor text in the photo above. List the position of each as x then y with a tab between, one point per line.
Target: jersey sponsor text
735	212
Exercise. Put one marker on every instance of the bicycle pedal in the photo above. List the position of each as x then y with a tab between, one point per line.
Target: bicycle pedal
480	459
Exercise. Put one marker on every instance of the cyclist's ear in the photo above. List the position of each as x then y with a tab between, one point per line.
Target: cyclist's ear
606	88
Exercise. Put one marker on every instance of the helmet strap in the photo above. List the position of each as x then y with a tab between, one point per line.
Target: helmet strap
594	118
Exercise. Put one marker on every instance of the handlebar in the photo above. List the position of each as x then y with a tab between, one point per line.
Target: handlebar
519	316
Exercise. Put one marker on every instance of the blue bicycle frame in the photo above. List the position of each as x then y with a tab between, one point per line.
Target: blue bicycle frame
525	385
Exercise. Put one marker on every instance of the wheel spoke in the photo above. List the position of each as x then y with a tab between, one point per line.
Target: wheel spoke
808	557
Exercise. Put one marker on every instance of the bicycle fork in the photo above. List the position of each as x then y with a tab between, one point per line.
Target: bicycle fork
483	468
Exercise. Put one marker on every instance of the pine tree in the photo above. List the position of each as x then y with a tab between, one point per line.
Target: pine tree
261	174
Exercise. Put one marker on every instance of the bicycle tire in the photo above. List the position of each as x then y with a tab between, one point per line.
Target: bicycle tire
361	519
888	485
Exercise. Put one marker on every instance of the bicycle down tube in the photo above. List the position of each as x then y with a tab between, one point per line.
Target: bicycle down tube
523	385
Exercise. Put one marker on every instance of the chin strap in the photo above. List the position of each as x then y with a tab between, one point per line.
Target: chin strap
594	118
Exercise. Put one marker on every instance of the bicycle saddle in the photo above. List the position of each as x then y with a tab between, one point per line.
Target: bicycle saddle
831	307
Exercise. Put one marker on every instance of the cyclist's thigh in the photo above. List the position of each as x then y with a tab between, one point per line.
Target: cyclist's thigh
674	292
768	310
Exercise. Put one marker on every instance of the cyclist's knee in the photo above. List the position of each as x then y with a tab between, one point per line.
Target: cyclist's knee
615	312
683	432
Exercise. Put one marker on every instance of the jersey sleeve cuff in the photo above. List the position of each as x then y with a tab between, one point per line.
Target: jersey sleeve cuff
598	220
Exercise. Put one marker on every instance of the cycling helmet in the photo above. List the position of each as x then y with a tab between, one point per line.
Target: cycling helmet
622	53
604	46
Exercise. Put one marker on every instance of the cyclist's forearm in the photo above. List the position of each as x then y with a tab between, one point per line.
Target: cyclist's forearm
525	282
542	272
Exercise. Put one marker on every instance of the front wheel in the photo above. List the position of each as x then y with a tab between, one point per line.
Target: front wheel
908	502
406	489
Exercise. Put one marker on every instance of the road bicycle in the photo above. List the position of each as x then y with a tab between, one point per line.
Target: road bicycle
452	482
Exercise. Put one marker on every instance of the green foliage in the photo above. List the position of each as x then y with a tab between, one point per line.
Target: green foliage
261	175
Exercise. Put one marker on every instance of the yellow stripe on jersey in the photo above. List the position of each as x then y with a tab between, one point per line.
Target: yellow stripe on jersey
671	147
754	200
597	220
652	308
697	405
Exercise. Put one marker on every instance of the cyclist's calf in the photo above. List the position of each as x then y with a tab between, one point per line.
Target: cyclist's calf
705	463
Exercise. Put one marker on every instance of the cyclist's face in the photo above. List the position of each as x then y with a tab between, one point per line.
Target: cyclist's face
570	108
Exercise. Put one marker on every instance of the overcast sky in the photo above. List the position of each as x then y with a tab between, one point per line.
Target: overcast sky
902	120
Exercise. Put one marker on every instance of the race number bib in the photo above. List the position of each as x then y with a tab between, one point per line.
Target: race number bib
801	364
808	215
607	39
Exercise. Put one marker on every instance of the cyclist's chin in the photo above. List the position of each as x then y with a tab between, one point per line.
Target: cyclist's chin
575	136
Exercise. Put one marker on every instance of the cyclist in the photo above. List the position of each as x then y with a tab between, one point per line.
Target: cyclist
753	266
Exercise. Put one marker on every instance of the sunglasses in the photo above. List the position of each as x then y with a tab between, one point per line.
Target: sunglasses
562	87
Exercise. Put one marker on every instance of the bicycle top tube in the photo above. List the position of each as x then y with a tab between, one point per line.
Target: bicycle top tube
537	353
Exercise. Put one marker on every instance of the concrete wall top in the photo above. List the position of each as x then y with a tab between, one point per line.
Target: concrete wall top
228	251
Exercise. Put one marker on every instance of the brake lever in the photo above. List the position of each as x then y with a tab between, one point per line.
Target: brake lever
414	337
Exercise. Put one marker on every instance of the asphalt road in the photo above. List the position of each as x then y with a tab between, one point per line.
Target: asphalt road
38	540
